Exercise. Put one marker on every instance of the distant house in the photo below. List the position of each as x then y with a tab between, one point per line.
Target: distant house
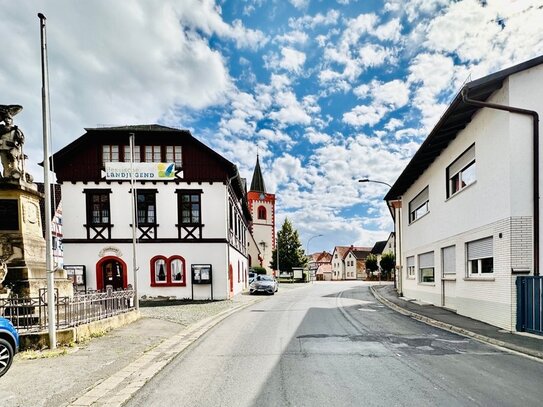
360	255
324	272
315	263
192	215
344	262
467	204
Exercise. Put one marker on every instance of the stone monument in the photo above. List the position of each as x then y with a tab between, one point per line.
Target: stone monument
22	245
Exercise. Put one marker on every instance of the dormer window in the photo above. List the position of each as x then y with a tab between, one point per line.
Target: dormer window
110	154
137	157
173	155
152	154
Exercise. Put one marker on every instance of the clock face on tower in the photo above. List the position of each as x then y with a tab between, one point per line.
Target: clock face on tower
262	196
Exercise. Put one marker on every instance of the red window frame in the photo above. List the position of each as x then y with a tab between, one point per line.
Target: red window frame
262	213
169	282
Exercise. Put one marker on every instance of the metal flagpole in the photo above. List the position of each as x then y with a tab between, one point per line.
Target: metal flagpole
47	189
134	220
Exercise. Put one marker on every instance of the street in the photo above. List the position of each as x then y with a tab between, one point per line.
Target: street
333	343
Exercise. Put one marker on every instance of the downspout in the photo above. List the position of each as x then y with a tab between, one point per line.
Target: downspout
535	123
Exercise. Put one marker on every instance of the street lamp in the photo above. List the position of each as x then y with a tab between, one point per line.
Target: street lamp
377	182
395	234
307	250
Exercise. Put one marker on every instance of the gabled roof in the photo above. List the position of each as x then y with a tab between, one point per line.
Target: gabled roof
378	247
456	118
344	251
361	254
115	135
257	183
320	257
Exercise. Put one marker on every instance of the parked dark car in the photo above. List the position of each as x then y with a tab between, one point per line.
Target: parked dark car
9	344
264	284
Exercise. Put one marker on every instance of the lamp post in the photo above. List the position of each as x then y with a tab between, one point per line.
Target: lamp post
395	234
307	250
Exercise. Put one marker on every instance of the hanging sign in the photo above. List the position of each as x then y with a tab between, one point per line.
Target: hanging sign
141	171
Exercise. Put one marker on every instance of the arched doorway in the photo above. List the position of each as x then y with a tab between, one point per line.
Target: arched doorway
111	271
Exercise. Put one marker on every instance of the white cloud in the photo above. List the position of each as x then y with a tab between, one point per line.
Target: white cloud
290	110
293	60
393	124
299	3
319	19
316	137
293	37
362	115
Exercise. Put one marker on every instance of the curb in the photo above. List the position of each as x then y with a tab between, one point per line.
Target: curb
454	329
117	389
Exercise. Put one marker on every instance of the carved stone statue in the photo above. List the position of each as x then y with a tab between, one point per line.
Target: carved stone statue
11	144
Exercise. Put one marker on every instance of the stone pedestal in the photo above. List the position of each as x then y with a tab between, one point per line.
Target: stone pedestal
22	246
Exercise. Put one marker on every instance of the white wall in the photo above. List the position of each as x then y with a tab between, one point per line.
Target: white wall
214	217
498	204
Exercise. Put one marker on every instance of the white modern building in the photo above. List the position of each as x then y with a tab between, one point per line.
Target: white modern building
192	215
466	206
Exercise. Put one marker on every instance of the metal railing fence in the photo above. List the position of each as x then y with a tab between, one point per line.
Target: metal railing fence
30	314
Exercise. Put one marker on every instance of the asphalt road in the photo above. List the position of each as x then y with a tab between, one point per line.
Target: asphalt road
334	344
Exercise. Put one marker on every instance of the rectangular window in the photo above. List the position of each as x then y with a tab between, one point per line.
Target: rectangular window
146	207
152	154
410	262
461	172
419	205
448	260
110	154
98	207
190	208
426	267
173	155
480	256
137	157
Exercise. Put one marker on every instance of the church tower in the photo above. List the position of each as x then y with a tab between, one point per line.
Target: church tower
262	206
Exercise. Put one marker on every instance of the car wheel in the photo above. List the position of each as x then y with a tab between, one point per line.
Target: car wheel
6	356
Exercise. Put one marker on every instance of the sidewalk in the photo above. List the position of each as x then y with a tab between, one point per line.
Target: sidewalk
523	343
107	370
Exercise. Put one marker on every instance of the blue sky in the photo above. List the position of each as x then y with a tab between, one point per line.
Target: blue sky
326	91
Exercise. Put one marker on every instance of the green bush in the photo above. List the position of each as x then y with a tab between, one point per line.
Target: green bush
258	270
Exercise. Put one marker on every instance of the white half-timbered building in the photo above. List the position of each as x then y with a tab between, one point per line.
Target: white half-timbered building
192	213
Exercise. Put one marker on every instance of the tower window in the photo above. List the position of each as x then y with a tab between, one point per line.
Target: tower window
261	212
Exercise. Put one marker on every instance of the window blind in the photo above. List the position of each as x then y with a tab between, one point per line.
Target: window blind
418	200
410	261
426	260
481	249
448	255
462	161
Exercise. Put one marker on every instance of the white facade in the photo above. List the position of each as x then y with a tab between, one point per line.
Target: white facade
494	209
350	266
214	209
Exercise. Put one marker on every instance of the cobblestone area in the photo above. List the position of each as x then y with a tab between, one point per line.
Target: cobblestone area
188	313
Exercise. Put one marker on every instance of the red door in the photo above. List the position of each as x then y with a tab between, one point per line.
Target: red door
231	278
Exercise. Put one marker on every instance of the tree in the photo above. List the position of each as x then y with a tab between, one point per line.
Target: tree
291	253
387	263
371	264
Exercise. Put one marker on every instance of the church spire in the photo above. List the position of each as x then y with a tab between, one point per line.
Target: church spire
257	184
